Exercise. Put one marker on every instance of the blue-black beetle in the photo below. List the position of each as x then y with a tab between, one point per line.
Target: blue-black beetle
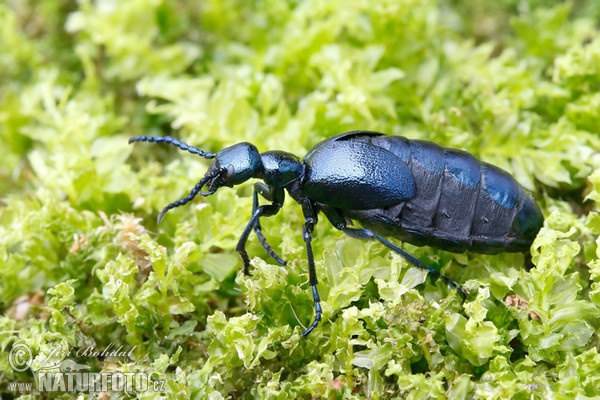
412	190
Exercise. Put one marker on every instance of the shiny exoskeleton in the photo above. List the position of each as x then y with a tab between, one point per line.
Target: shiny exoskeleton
412	190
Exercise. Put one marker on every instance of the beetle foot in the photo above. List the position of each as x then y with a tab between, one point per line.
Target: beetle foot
318	312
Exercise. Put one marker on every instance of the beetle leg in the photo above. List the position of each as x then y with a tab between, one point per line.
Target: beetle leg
266	210
335	217
265	191
366	234
310	217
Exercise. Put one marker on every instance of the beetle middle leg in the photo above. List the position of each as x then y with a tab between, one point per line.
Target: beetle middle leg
310	217
266	210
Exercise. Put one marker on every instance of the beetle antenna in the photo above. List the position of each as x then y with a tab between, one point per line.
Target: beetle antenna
173	142
197	190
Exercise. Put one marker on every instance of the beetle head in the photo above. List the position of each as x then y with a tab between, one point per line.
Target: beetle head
233	165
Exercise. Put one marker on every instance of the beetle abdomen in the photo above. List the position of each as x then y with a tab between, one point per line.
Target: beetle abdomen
460	203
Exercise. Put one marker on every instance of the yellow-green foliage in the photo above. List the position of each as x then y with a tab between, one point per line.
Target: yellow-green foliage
83	263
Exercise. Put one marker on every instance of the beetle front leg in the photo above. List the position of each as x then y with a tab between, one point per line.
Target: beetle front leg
265	191
266	210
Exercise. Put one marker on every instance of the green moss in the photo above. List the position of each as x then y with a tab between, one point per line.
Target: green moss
83	264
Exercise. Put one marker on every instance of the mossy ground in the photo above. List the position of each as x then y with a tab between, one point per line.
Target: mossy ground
83	264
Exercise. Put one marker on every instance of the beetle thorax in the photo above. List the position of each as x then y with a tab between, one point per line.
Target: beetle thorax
280	168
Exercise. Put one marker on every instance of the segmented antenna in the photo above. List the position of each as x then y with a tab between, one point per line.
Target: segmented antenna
197	190
173	142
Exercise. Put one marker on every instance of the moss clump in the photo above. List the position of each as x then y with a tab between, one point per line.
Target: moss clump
84	266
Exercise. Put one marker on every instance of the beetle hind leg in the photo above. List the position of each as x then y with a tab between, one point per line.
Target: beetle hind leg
366	234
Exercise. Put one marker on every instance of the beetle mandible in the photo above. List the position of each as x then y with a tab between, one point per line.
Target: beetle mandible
412	190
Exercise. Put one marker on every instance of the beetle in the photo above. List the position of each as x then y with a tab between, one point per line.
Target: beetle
412	190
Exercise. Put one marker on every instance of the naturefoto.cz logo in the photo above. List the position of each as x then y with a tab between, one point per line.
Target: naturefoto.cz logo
56	372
